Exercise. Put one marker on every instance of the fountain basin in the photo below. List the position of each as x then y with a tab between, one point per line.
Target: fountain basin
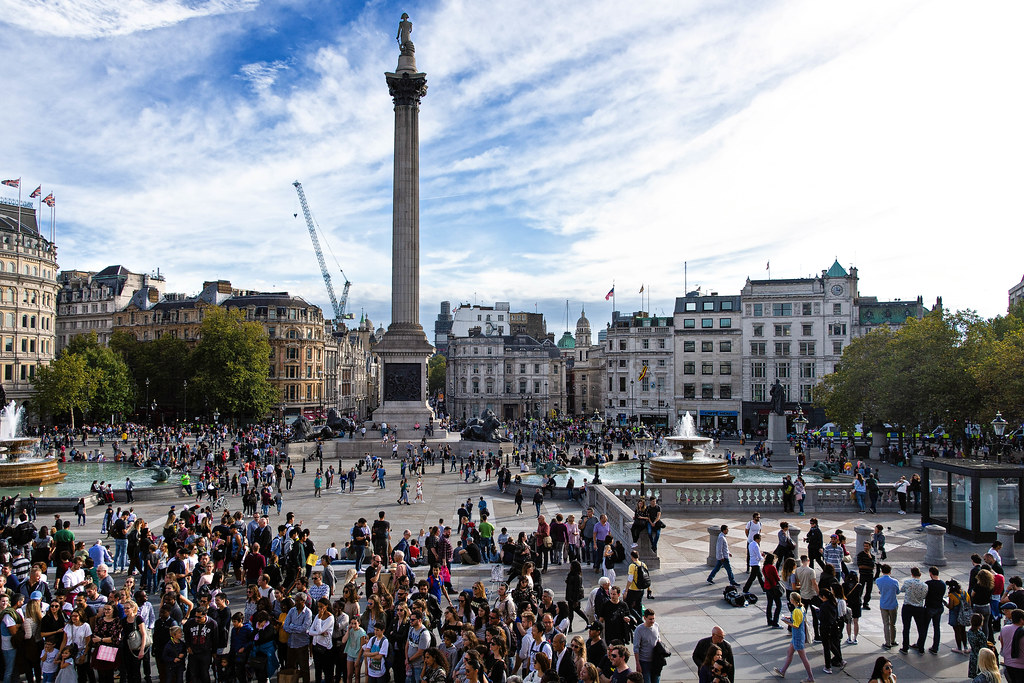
686	468
30	473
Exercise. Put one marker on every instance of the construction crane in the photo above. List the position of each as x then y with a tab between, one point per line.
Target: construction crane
339	306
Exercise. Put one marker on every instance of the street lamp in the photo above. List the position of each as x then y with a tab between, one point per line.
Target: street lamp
597	452
152	407
185	402
643	463
632	402
148	417
216	416
799	422
320	373
999	427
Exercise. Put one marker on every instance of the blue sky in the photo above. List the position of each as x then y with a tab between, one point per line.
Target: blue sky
562	149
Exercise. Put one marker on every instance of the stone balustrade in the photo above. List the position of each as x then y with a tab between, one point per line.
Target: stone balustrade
821	497
620	518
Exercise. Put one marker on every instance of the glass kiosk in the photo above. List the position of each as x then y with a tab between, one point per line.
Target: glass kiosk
971	498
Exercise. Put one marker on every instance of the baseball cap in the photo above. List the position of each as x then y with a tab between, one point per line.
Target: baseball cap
835	537
596	626
37	595
1005	605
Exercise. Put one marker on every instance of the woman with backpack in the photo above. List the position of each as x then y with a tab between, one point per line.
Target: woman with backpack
959	614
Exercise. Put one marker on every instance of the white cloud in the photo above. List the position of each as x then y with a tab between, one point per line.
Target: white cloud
102	18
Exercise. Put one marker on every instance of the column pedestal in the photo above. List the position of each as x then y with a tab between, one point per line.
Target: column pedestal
782	458
935	538
1006	534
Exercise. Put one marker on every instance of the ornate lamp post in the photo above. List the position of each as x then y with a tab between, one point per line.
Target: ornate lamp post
643	464
598	422
185	402
148	417
152	407
799	425
216	416
999	427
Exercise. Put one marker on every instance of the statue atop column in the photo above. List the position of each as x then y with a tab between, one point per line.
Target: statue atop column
778	397
404	35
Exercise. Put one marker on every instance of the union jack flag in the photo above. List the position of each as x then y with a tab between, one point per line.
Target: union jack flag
49	200
13	183
36	192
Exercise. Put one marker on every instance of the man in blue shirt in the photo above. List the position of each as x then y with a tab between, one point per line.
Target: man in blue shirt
888	605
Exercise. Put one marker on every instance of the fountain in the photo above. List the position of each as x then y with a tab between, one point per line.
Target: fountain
690	464
21	464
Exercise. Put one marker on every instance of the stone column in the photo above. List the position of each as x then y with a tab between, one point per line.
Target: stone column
1007	534
713	532
404	349
863	536
935	538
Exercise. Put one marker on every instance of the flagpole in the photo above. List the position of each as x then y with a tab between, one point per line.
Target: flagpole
19	205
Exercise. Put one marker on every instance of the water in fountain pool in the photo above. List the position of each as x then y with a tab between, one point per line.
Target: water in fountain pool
80	476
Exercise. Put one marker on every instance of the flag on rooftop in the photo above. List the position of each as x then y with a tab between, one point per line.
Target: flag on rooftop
641	289
610	294
49	200
16	182
36	192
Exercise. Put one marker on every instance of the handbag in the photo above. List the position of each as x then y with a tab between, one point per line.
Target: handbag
106	653
548	542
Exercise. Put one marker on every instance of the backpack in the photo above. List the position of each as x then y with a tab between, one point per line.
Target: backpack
642	577
963	617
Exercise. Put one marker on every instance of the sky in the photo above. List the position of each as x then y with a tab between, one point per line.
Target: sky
562	150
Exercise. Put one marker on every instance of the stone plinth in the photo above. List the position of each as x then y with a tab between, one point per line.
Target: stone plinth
864	533
713	532
794	535
778	441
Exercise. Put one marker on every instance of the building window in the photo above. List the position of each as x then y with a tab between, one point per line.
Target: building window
707	391
837	329
758	310
807	370
805	393
758	330
781	348
689	324
757	349
725	346
757	392
707	347
622	384
661	343
725	322
837	348
781	370
690	306
689	391
645	344
622	362
807	348
707	368
757	370
837	309
522	368
709	305
622	345
783	329
782	310
707	323
805	308
661	362
727	306
724	391
807	329
476	386
689	368
725	368
689	346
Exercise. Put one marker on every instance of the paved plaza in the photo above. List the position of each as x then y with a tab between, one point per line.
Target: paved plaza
686	606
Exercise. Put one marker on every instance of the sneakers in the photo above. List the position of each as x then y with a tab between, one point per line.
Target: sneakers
904	651
850	641
711	581
777	672
634	545
826	670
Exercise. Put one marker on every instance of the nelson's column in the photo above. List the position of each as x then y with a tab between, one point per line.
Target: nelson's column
404	350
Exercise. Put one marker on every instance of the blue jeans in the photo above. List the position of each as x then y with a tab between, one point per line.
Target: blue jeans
861	500
120	554
9	656
654	535
728	570
649	676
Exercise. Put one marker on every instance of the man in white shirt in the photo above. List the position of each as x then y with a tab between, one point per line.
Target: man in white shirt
752	527
754	563
538	644
74	578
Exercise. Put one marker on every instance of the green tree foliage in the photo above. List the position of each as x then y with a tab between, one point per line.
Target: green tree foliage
66	385
946	369
165	362
230	365
437	368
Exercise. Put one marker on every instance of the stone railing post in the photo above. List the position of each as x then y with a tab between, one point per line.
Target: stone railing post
713	532
864	533
794	534
1006	534
935	538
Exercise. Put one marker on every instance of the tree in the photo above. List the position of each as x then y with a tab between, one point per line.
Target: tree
164	362
231	363
64	385
114	387
437	369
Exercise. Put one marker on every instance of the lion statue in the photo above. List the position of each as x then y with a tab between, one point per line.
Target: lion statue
483	428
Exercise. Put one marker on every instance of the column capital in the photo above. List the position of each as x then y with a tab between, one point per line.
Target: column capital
407	89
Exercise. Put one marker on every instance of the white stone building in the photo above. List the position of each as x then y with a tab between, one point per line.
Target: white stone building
87	300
